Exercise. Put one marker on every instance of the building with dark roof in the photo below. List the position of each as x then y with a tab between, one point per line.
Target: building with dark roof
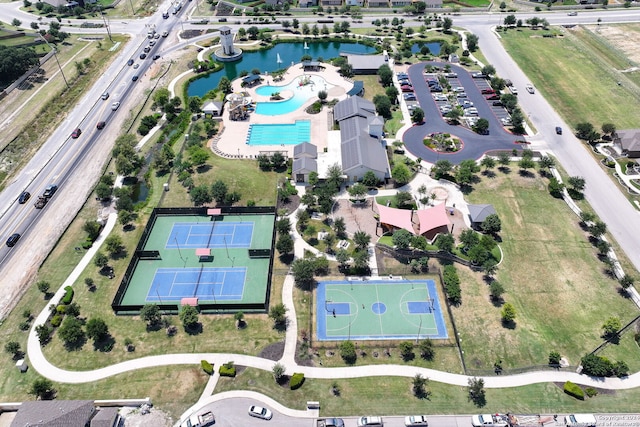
306	149
628	141
367	64
478	213
54	413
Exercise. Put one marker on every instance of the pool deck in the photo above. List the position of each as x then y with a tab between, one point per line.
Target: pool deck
231	141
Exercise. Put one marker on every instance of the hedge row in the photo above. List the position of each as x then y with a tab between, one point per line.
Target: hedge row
296	381
227	370
573	390
68	296
207	367
452	284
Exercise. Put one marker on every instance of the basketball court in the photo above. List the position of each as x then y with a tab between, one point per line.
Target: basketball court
385	309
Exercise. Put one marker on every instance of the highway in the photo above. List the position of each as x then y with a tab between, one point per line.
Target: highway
61	158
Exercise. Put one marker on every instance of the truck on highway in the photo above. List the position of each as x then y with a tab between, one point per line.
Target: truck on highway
177	7
40	202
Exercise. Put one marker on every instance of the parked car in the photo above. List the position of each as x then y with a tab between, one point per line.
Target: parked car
558	130
461	95
24	196
415	420
478	75
101	125
115	105
492	97
404	82
409	96
432	82
260	412
514	90
406	88
530	88
497	103
451	75
402	76
76	133
487	91
370	422
435	89
489	420
13	239
458	89
466	104
105	96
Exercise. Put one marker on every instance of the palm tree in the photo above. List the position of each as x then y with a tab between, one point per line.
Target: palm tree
361	239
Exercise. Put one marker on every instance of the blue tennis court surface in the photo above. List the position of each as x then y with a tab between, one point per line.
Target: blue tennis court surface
339	308
211	283
214	234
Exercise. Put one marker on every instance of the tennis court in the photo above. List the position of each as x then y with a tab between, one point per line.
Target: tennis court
210	234
385	309
221	261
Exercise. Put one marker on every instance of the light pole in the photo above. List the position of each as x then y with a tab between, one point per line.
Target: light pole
106	25
55	54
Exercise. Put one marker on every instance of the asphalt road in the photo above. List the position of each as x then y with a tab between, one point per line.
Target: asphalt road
475	145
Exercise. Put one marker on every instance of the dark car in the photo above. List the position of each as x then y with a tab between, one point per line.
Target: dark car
13	239
558	130
101	125
435	88
24	196
134	78
50	190
156	57
143	55
497	104
493	97
130	62
147	49
165	15
76	133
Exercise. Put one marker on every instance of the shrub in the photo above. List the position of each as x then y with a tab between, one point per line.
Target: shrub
207	367
56	320
591	392
348	352
573	390
227	370
61	309
452	284
24	326
68	296
296	381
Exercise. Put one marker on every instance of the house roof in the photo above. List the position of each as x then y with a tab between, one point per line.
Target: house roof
212	106
352	106
358	148
224	28
433	217
54	413
304	164
366	62
358	85
400	218
479	213
251	78
305	148
629	139
105	417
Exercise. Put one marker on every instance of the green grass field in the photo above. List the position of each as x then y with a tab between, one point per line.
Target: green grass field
562	67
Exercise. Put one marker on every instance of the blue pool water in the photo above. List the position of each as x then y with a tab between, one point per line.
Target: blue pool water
276	134
301	93
266	60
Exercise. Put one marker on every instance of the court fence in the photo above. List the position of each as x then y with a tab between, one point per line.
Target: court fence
173	308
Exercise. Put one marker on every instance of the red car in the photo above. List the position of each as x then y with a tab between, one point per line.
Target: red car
493	97
76	133
487	91
406	88
101	125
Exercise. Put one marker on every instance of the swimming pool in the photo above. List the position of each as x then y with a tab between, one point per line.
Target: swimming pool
303	89
278	134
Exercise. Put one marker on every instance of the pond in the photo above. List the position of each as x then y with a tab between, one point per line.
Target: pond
267	60
434	47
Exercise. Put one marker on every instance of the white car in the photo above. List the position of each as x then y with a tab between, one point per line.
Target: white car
489	420
416	420
115	106
370	422
260	412
530	89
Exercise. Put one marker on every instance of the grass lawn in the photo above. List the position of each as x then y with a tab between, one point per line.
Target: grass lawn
362	395
551	276
562	67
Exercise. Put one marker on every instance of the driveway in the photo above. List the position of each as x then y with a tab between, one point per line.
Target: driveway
474	145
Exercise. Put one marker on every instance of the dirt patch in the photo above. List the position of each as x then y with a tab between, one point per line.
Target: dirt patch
134	417
273	351
622	37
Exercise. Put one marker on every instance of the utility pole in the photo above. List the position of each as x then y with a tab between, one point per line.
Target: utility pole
106	25
55	54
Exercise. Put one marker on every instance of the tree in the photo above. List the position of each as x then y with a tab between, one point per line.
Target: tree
361	239
546	162
597	366
278	371
42	389
610	327
454	115
447	23
71	332
445	242
385	75
441	168
496	290
554	358
357	191
303	271
284	245
161	97
150	313
348	352
510	20
97	329
113	244
401	174
508	313
555	187
608	128
418	386
128	162
472	42
406	350
101	260
44	333
189	317
224	85
383	105
468	238
13	348
195	104
481	127
322	96
219	191
626	281
426	349
392	93
488	70
598	229
340	227
577	183
92	228
200	195
401	238
278	313
103	191
491	224
417	116
43	286
476	391
125	217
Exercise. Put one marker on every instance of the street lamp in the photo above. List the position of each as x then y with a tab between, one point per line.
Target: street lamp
55	54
